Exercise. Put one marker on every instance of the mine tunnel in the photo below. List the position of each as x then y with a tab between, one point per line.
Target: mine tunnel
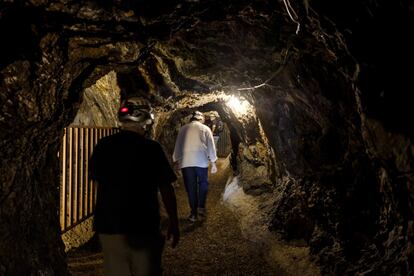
316	168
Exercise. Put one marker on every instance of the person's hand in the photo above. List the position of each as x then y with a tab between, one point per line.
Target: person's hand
213	168
174	233
176	165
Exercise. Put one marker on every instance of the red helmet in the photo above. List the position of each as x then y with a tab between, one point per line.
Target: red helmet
136	110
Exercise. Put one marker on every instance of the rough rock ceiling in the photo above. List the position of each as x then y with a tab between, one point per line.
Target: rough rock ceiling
331	102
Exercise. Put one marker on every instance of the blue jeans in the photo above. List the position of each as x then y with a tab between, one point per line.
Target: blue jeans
196	185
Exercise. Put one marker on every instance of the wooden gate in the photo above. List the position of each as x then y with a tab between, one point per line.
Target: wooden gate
77	194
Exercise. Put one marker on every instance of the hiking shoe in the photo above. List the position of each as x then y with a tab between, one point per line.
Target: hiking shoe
192	218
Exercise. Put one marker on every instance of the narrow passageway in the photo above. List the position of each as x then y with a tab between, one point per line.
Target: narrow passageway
216	246
211	247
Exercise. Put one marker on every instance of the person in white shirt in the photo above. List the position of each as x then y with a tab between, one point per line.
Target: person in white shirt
194	149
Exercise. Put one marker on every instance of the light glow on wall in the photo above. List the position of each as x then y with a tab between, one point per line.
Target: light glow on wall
238	105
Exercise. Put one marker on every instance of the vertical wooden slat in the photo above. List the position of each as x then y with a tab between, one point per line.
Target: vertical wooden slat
90	184
62	157
85	170
92	138
86	177
75	175
69	178
93	188
80	174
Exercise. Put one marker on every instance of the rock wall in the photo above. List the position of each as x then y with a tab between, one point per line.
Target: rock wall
329	142
100	104
42	76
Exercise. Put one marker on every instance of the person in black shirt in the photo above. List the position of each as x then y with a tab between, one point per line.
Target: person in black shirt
129	170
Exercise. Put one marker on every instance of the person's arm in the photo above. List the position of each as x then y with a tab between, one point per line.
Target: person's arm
170	203
211	151
178	150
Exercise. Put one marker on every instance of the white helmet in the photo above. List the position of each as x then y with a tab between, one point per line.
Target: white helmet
137	110
197	115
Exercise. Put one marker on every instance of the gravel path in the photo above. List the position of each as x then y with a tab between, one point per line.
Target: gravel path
212	247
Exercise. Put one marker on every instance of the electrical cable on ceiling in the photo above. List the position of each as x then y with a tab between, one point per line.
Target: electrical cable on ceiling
291	11
272	76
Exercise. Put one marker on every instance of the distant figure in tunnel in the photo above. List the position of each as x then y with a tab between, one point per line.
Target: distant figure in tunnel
216	126
129	170
194	148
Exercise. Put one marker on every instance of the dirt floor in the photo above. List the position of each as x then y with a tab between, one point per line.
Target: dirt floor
212	247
